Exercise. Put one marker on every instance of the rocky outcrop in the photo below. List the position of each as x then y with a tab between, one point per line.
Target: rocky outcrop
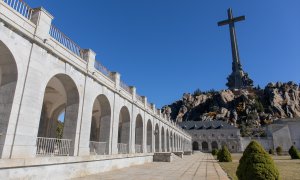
246	108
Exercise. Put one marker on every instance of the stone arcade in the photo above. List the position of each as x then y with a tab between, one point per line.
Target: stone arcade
209	135
44	74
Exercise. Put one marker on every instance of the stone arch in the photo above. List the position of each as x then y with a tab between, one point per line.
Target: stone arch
204	146
139	134
168	141
61	98
157	140
175	142
8	83
149	136
124	131
214	145
171	142
163	139
100	126
195	146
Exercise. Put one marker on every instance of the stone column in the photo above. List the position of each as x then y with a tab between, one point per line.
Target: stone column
43	21
83	148
117	78
133	92
159	137
145	101
90	56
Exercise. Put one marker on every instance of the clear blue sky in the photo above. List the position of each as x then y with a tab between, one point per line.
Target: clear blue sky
168	47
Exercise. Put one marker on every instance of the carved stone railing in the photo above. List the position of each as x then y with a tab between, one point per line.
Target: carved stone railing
149	149
123	148
139	98
157	111
149	105
125	87
138	148
21	7
65	41
52	147
97	148
103	70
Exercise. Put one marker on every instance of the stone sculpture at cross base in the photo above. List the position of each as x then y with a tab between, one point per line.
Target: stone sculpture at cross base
243	80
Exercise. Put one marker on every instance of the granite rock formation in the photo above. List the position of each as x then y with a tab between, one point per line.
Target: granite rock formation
247	109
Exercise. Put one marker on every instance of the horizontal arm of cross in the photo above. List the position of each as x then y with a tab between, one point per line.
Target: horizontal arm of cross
230	21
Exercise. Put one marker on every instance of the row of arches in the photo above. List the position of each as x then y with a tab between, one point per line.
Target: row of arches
205	146
209	146
59	113
61	99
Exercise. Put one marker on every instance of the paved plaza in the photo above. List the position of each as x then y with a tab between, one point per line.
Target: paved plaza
197	166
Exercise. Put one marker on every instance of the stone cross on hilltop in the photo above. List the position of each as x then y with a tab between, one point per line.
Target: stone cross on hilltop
238	78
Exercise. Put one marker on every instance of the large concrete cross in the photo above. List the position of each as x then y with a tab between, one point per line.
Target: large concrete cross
234	47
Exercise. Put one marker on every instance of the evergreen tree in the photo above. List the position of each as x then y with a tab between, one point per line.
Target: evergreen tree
256	164
214	152
224	155
294	153
279	150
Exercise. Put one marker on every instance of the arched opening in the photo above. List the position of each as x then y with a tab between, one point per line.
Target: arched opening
175	142
171	142
8	82
204	146
139	134
157	141
168	141
214	145
180	148
149	136
124	131
100	126
163	139
195	146
58	121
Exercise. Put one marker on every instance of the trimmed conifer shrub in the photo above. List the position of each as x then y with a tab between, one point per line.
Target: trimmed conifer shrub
224	155
256	164
294	153
271	151
214	152
279	150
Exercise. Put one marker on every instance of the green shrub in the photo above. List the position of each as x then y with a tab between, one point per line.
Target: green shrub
256	164
214	152
224	155
294	153
271	151
279	150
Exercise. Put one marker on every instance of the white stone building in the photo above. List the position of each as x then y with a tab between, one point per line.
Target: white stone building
44	74
209	135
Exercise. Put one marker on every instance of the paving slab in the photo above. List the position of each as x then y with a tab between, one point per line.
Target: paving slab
194	167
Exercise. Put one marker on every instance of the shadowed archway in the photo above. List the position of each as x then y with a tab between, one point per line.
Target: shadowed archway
8	83
100	126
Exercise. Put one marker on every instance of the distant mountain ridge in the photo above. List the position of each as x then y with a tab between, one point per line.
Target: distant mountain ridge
248	108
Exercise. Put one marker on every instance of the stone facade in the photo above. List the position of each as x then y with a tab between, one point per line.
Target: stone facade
209	135
45	74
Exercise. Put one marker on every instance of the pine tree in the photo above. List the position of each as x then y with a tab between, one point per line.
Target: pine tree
256	164
294	153
224	155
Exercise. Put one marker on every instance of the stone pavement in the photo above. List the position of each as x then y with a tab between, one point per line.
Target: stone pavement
198	166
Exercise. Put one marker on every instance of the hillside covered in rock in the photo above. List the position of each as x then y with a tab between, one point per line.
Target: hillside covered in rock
248	108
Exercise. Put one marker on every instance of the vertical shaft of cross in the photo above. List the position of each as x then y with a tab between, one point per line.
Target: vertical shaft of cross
234	46
237	78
